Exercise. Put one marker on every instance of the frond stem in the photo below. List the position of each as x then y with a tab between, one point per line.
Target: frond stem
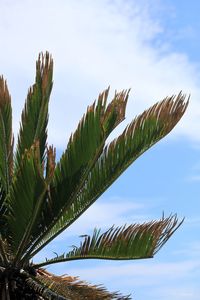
28	255
40	265
3	252
30	227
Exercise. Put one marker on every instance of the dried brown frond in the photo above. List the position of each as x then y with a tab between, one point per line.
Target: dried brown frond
44	69
51	162
75	289
4	93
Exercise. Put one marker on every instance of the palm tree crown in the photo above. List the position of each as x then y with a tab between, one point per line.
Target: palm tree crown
39	197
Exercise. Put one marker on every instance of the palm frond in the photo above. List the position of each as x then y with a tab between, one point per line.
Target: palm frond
42	291
72	288
34	117
25	197
50	163
6	137
92	132
73	168
3	212
39	198
4	260
145	130
136	241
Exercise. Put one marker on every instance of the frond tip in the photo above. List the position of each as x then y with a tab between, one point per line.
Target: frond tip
34	118
6	137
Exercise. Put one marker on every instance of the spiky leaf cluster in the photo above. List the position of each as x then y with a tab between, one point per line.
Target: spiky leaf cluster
40	197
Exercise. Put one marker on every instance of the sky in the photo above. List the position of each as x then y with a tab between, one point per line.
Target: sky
153	48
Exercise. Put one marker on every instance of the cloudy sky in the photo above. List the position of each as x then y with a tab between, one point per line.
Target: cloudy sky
153	48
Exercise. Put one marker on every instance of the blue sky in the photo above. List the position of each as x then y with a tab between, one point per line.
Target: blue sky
154	49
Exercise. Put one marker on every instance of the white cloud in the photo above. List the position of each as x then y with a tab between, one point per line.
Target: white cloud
139	277
177	293
94	44
140	271
193	178
193	221
191	250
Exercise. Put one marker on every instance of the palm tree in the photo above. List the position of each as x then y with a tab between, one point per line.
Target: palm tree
40	198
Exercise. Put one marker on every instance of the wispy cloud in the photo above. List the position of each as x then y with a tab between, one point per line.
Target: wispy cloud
140	278
176	293
193	221
140	271
193	178
109	211
94	44
105	213
192	250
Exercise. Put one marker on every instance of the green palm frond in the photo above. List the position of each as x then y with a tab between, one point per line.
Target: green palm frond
92	132
145	130
73	168
3	212
6	137
40	197
34	117
25	198
136	241
6	152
